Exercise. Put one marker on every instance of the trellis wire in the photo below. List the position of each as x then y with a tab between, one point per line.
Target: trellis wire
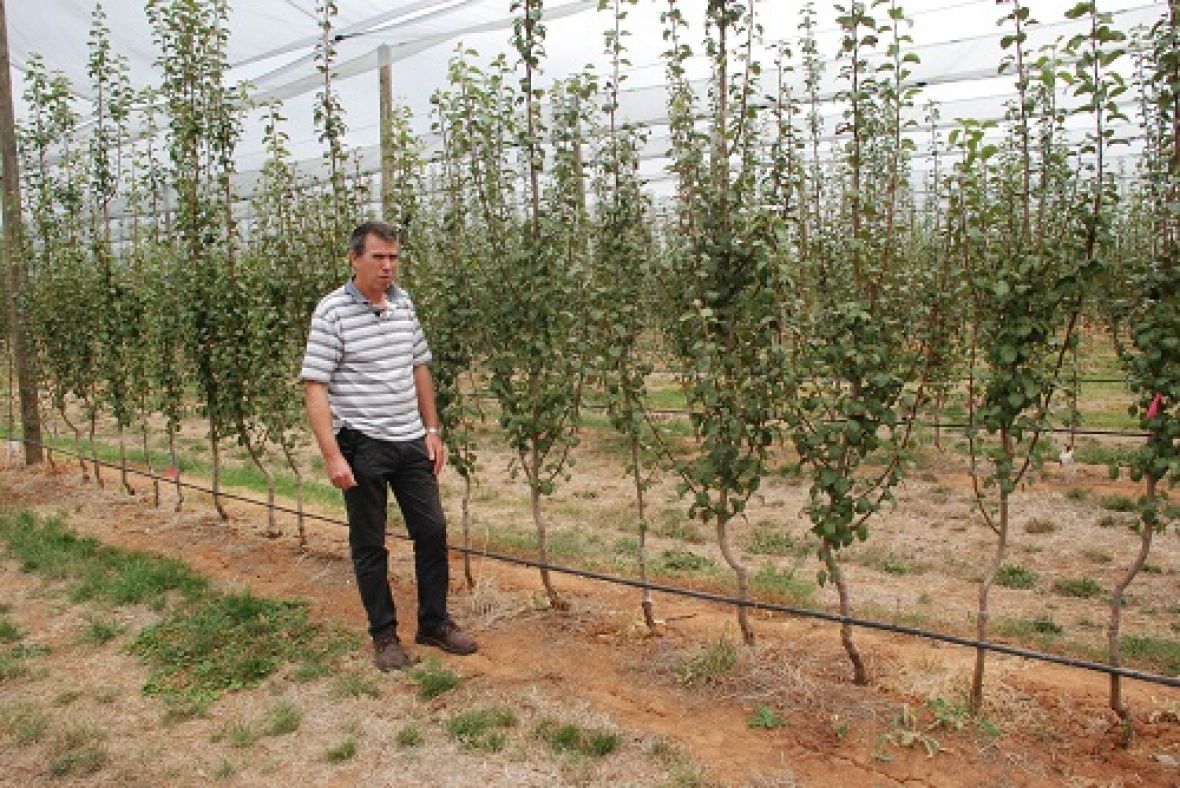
691	593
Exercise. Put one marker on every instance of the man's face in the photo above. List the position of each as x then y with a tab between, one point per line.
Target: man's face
376	267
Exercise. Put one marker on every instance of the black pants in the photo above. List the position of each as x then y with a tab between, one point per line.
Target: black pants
406	469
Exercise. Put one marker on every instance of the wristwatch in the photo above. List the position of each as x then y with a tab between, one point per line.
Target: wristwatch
433	431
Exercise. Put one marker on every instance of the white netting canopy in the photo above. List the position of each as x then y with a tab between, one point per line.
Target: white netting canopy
272	45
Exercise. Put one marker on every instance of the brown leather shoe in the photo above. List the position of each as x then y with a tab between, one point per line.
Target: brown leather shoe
388	653
449	638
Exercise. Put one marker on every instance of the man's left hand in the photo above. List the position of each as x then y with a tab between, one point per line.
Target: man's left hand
436	452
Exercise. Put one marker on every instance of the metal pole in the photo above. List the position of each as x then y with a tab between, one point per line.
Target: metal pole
385	78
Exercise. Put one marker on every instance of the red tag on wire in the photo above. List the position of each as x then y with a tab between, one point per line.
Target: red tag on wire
1154	409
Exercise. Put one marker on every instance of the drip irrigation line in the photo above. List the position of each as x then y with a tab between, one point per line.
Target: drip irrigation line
692	593
930	424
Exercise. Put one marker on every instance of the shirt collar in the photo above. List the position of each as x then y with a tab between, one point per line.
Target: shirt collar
350	287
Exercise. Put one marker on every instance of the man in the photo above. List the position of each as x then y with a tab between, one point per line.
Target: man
370	401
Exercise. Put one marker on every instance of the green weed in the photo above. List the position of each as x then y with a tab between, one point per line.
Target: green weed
99	632
1039	628
409	736
242	734
1083	588
355	684
1039	525
673	561
886	562
341	752
433	680
1097	556
765	541
626	545
676	527
766	718
14	661
710	663
781	586
1162	655
571	738
481	729
23	721
1118	503
9	631
1077	493
283	718
77	752
1015	576
227	643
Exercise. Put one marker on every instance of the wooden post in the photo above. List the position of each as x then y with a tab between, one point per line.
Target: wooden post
385	78
14	256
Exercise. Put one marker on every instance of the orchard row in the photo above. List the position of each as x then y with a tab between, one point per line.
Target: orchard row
802	286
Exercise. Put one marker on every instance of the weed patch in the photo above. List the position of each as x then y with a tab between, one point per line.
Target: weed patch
9	631
710	663
1083	588
1015	576
433	680
571	738
23	722
93	570
680	529
354	684
781	586
409	736
673	561
765	541
77	752
228	643
1118	503
283	718
765	718
1039	525
481	729
1041	628
1162	655
339	753
100	632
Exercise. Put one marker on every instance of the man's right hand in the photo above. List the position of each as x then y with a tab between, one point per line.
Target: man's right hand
340	473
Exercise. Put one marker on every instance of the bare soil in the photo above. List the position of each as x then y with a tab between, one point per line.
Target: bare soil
596	664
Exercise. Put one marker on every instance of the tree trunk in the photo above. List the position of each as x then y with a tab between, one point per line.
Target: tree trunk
298	495
272	530
77	439
147	458
555	600
466	504
23	359
1114	647
94	448
216	455
649	617
123	462
739	571
985	586
175	465
53	436
859	674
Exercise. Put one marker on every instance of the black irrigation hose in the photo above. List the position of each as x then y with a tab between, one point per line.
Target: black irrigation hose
920	423
707	596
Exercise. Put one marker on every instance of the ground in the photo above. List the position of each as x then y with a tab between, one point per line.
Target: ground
681	722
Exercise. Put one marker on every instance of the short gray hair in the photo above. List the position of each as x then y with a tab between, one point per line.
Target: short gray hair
383	230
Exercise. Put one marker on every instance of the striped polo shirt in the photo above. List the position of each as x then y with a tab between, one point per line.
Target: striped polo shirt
367	359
